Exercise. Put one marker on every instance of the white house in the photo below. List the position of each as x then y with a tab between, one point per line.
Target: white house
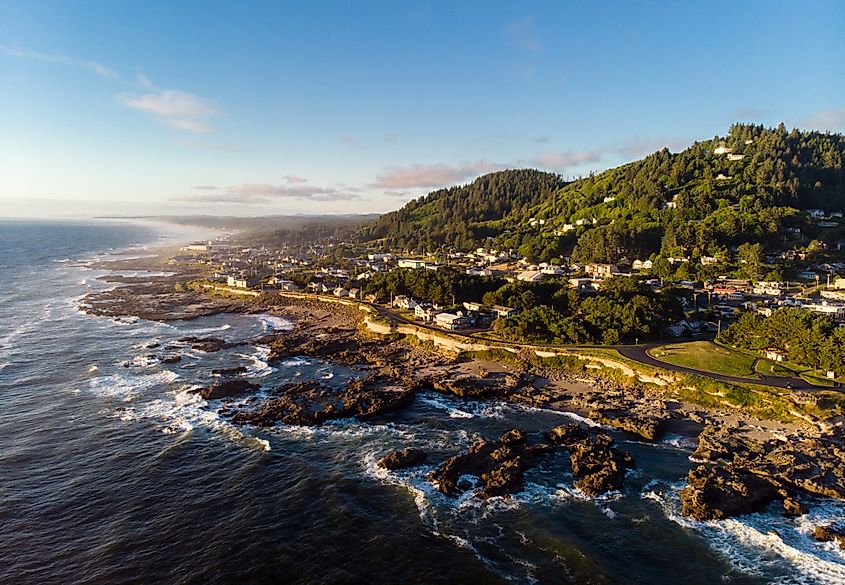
530	276
722	150
411	263
403	302
451	321
502	311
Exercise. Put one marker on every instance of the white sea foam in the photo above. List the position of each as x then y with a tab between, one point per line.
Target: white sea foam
463	408
679	442
766	544
258	367
127	386
273	323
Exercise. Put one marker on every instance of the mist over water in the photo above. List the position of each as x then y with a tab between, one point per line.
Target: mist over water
112	472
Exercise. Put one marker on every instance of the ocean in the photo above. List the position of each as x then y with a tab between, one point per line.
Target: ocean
111	472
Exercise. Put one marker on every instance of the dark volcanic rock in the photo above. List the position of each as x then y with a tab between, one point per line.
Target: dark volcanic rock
499	465
209	344
310	403
793	508
171	359
714	493
567	434
228	388
647	427
401	459
830	533
224	372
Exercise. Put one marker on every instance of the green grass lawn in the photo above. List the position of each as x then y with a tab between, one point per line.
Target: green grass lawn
706	356
770	368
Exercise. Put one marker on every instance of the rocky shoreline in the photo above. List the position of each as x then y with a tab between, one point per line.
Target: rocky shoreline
743	465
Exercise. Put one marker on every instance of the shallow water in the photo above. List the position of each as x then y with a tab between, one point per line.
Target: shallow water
113	473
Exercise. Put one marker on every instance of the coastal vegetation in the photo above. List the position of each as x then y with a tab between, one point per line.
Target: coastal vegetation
807	339
707	356
731	199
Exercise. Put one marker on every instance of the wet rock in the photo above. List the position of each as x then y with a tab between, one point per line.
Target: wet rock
401	459
311	403
171	359
830	533
209	344
793	508
567	434
597	466
716	443
228	388
715	493
647	427
499	465
225	372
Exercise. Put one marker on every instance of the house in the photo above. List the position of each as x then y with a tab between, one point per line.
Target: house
839	283
775	355
815	213
835	311
705	260
808	275
479	271
411	263
473	306
722	150
341	292
642	264
451	321
600	270
243	281
530	276
354	293
503	311
736	156
425	312
403	302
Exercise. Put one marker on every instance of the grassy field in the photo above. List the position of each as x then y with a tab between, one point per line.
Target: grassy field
707	356
770	368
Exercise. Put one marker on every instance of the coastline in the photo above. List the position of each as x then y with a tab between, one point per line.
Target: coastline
735	443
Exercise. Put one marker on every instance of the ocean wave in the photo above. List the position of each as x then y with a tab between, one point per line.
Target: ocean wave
274	323
258	367
128	386
766	544
464	408
679	442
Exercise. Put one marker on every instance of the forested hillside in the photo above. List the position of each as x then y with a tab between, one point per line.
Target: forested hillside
752	186
461	216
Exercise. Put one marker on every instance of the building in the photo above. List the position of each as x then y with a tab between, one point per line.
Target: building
340	292
642	264
503	311
722	150
473	306
403	302
354	293
530	276
425	312
601	270
835	311
411	263
451	321
775	355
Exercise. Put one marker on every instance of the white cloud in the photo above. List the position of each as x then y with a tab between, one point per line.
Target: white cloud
826	120
92	66
176	108
264	193
561	160
436	175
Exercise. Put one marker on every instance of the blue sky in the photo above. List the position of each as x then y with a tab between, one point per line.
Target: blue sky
254	108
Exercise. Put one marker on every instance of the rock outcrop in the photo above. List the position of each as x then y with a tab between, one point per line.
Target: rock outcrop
830	533
499	466
715	493
227	389
310	403
402	459
647	427
597	466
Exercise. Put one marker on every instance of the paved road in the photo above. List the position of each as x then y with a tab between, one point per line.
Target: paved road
639	354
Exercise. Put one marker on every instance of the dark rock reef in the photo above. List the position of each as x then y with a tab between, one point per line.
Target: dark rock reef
598	467
499	466
310	403
402	459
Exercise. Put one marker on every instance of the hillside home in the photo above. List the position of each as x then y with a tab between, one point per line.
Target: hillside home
601	270
530	276
503	312
403	302
425	312
451	321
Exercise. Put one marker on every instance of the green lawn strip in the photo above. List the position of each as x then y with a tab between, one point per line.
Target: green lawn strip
770	368
707	357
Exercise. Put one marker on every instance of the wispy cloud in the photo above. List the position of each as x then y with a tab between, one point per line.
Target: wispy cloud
264	193
92	66
437	175
523	34
295	179
562	160
176	108
826	120
206	187
637	147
